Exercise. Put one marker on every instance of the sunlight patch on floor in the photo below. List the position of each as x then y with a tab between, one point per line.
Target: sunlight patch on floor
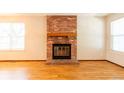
15	74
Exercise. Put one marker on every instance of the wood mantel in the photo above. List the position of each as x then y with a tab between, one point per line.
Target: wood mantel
62	34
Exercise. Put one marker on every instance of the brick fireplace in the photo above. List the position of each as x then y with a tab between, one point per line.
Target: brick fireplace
61	39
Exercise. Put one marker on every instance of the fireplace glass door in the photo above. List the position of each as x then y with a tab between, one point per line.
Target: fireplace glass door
61	51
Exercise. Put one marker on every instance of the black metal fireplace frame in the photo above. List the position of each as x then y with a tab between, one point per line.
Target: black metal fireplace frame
61	57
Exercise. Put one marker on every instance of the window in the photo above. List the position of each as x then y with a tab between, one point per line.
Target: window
12	36
117	33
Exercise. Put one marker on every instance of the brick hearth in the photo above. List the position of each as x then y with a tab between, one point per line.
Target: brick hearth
62	30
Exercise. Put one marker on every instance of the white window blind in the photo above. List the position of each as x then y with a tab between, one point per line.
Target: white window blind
117	33
12	36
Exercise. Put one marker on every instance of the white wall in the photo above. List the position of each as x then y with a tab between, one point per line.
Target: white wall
35	44
91	38
113	56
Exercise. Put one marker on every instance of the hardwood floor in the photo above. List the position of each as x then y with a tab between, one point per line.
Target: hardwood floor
38	70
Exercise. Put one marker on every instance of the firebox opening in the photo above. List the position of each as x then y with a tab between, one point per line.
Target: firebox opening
61	51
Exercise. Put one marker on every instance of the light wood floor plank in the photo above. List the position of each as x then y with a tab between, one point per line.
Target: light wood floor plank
38	70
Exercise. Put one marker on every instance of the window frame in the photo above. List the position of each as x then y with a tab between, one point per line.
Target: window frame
23	37
112	36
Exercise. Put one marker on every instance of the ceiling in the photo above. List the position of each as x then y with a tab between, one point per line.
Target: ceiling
95	14
44	14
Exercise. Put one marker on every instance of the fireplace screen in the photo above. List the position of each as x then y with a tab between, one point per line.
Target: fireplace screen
61	51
